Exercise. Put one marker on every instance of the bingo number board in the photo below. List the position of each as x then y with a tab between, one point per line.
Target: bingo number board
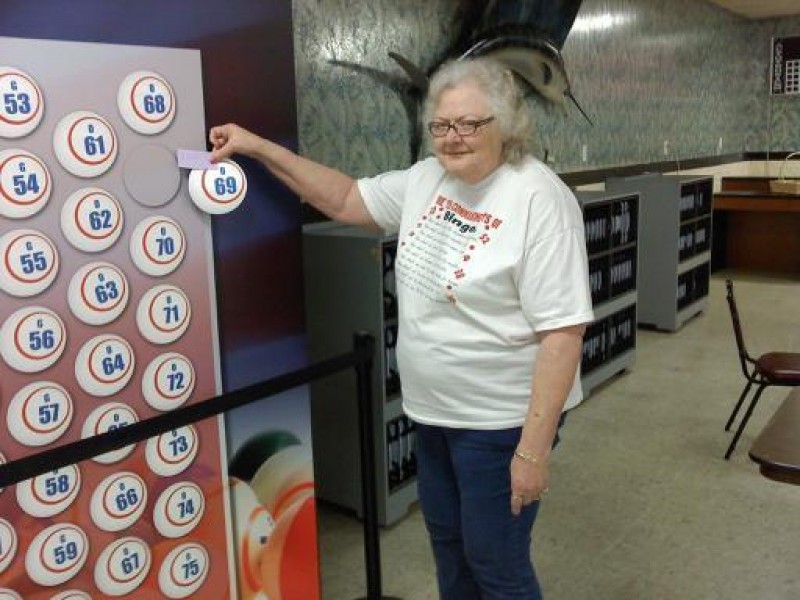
107	316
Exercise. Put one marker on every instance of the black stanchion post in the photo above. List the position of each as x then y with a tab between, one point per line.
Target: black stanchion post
364	346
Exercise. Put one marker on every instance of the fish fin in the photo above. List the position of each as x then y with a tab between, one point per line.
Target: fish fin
569	95
415	74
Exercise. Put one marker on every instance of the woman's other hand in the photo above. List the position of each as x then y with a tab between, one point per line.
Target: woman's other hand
529	483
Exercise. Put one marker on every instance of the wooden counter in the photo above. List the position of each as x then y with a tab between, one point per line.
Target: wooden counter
748	184
757	230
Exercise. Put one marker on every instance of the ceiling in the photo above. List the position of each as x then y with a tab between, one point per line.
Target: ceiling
761	9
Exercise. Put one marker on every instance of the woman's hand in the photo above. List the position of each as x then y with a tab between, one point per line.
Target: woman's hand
528	482
328	190
229	139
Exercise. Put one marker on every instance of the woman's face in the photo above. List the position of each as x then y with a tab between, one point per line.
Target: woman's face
470	158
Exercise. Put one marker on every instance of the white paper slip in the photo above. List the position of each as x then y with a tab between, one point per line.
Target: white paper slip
195	159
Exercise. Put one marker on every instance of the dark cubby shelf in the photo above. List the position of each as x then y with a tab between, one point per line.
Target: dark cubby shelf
350	286
611	225
675	237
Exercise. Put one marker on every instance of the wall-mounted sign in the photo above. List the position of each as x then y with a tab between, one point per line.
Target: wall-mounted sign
785	66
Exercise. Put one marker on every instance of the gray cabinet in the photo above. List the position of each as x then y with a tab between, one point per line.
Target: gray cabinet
611	223
350	287
674	246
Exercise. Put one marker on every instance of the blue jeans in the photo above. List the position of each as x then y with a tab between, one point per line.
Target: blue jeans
482	551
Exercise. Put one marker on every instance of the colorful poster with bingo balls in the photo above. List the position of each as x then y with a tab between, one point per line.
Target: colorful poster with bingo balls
107	317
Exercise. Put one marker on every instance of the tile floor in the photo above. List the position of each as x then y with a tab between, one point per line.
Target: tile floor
642	505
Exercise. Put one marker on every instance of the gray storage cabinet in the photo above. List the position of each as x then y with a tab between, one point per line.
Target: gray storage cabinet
674	246
611	222
350	287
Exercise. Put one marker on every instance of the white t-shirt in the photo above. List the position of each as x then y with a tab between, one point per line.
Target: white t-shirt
480	270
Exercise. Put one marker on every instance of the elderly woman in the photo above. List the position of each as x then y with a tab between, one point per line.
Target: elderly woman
493	300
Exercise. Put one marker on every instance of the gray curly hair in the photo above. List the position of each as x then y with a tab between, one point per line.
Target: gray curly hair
503	94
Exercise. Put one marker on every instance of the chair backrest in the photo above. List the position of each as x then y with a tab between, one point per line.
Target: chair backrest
737	328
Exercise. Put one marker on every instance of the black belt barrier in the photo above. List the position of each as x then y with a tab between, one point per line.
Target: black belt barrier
361	358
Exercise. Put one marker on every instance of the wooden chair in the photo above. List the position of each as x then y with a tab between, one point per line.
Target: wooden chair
772	368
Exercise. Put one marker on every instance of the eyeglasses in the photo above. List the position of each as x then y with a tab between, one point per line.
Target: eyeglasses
462	127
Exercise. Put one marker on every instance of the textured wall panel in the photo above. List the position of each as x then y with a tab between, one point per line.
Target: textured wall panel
646	71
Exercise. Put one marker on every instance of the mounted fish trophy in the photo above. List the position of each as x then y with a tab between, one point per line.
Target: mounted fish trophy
525	36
